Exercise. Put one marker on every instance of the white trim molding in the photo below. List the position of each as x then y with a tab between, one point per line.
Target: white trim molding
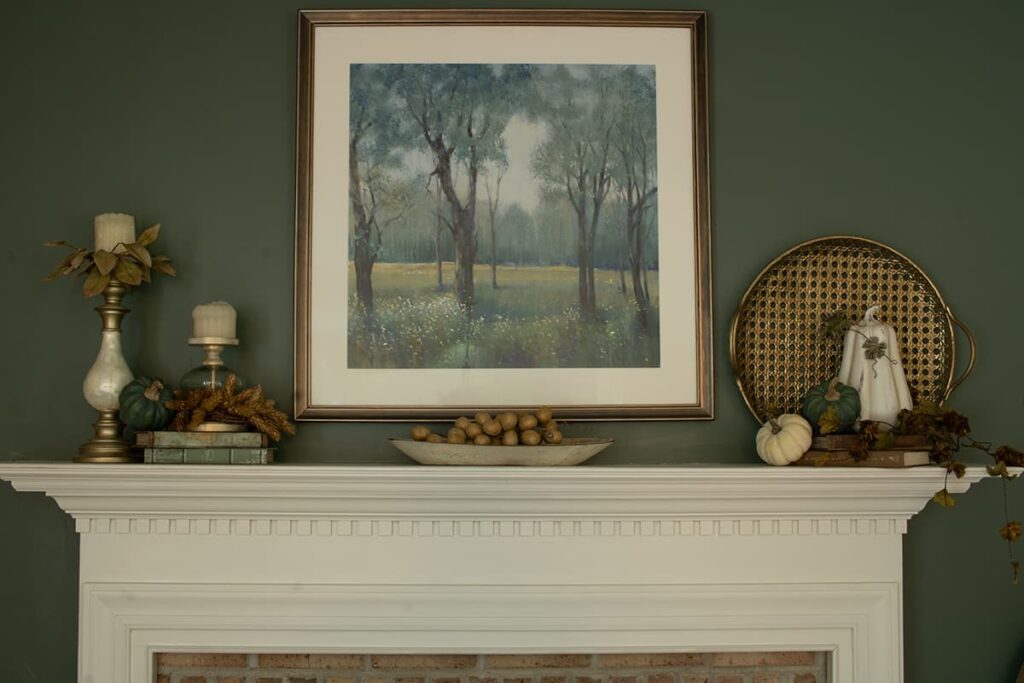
134	622
317	558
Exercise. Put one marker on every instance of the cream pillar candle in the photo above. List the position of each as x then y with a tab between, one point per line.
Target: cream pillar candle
215	319
113	229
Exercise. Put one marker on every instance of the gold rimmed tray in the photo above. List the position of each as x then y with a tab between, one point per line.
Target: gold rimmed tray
776	347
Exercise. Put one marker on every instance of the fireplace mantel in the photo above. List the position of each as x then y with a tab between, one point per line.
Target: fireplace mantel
321	558
113	495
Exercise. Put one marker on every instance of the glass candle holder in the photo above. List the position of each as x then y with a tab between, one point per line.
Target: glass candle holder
212	373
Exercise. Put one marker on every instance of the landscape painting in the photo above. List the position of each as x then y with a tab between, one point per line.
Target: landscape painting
502	216
502	209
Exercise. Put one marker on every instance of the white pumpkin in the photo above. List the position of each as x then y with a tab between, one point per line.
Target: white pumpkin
876	372
784	439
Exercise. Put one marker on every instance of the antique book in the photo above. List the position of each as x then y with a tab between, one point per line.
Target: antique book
209	456
844	442
887	458
201	440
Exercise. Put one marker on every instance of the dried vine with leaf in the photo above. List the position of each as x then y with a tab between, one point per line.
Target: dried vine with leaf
947	433
227	404
131	264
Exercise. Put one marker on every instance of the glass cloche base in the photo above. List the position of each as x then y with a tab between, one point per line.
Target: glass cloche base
209	377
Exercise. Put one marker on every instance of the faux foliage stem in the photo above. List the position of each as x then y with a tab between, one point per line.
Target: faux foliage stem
1014	566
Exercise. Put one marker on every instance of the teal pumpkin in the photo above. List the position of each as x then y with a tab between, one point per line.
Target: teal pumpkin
845	399
142	404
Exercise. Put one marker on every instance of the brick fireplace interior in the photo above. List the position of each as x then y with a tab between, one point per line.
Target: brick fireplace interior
723	667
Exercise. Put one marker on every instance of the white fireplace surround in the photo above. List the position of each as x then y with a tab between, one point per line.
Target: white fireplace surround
315	558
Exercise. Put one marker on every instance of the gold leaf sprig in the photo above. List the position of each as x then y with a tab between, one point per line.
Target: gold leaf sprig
227	404
131	265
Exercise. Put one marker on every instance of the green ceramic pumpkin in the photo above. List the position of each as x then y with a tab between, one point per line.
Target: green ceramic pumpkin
142	404
822	397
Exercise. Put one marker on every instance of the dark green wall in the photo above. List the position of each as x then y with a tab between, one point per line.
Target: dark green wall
897	121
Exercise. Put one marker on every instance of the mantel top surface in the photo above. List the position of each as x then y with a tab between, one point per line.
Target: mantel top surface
741	475
754	468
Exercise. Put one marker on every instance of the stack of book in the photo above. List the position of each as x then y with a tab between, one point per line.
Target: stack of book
205	448
834	451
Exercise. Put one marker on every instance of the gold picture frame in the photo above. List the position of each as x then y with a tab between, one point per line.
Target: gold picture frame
318	379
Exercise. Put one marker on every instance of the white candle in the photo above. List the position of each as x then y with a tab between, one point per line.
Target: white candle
215	319
113	229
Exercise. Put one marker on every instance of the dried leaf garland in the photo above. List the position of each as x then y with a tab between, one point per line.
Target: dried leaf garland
95	283
105	261
132	265
148	236
948	432
227	404
1005	455
1000	470
870	438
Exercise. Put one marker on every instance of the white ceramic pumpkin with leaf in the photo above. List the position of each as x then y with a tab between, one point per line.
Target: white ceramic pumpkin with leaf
784	439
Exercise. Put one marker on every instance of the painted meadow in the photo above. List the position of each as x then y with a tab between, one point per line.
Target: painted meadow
502	216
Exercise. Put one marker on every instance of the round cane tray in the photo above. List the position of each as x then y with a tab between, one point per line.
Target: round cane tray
775	342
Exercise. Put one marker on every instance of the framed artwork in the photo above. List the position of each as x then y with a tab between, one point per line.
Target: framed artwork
500	209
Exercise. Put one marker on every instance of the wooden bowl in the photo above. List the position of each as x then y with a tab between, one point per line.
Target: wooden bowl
569	452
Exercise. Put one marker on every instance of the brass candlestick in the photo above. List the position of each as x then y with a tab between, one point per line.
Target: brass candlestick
103	383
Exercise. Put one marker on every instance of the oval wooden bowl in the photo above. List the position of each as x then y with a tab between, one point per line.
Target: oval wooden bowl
569	452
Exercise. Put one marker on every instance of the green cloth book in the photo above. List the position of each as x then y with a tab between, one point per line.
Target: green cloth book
201	440
208	456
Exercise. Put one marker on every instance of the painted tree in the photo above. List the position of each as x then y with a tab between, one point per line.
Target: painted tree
578	106
376	198
440	221
636	176
620	263
460	112
492	183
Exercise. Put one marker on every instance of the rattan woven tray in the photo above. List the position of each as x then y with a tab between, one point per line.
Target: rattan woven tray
775	342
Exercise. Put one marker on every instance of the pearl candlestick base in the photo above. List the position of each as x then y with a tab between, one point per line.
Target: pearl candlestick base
107	445
103	383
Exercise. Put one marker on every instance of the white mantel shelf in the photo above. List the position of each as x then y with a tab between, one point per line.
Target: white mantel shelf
333	558
332	492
